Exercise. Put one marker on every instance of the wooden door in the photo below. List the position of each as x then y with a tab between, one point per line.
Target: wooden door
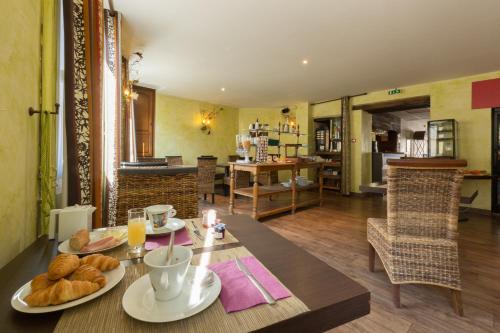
144	110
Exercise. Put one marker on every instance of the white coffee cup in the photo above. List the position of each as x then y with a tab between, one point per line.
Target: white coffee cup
159	214
167	281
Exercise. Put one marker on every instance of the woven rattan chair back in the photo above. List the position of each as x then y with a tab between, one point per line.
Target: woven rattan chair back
206	174
173	160
423	202
143	190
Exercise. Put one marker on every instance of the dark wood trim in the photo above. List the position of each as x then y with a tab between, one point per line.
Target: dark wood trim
402	104
427	163
332	297
495	167
69	105
94	38
138	89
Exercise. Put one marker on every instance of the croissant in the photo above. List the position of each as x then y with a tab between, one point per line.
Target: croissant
100	261
61	292
63	265
88	273
41	282
79	239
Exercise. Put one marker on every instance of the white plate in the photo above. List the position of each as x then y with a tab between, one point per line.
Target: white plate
112	279
94	236
140	303
173	224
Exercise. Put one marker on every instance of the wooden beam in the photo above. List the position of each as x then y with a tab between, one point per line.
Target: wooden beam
395	105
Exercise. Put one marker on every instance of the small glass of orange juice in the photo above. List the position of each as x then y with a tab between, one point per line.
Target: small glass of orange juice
136	230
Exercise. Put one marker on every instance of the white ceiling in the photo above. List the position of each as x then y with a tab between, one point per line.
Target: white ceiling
255	48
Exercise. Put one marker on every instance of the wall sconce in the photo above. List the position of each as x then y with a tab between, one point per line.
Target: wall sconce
207	118
129	92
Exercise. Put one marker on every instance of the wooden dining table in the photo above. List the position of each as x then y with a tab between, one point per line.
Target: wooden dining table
328	297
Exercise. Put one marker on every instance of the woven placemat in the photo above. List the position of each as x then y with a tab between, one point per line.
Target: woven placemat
105	314
121	252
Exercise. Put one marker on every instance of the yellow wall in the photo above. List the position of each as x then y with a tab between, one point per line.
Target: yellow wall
177	130
449	99
19	89
329	109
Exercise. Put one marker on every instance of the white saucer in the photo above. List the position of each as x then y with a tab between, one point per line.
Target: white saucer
112	278
140	303
173	224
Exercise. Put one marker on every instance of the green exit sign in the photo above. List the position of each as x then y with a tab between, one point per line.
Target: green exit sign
394	91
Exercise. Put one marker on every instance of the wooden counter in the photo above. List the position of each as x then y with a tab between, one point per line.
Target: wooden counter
256	191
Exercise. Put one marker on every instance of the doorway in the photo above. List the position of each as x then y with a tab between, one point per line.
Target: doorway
398	129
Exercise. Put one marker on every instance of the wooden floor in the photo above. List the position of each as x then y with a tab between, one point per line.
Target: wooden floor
336	233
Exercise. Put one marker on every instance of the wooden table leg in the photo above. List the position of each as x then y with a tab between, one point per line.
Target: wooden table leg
255	194
371	258
320	170
231	190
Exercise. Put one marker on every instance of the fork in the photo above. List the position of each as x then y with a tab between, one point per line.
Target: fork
197	231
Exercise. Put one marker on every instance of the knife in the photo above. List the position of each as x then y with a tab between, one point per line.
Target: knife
269	299
197	231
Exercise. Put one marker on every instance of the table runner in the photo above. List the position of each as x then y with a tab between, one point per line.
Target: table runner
122	252
106	314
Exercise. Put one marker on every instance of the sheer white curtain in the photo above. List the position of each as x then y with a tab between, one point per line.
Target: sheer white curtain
111	110
61	156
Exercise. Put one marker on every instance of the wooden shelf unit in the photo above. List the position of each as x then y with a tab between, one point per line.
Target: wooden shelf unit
328	136
295	196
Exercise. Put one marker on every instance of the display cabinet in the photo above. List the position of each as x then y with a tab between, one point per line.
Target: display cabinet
442	136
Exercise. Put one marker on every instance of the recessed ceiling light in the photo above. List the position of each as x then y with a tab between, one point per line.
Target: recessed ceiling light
305	62
222	89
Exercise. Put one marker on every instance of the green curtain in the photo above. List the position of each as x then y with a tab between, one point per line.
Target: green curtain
48	121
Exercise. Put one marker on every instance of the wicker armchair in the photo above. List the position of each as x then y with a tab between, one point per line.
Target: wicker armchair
417	243
145	186
151	159
173	160
206	176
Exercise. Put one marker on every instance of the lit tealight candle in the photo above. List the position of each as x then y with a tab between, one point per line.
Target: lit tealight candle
212	216
209	218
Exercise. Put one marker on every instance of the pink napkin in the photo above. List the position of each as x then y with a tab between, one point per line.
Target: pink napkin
238	292
181	238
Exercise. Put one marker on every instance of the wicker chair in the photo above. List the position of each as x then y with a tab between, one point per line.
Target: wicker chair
417	243
206	176
151	159
145	186
173	160
143	163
